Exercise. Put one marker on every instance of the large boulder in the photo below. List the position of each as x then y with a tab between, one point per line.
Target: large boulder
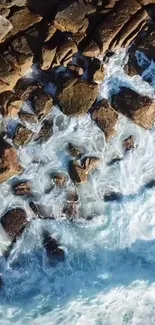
106	118
141	109
22	188
22	135
14	222
9	165
71	103
72	18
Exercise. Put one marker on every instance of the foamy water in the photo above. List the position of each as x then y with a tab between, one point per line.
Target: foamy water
108	275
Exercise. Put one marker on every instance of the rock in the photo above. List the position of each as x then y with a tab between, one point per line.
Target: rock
65	52
9	165
74	151
91	49
34	207
43	7
23	54
78	71
146	44
90	163
52	248
71	103
72	196
51	31
99	74
21	20
5	27
11	3
112	196
14	222
132	67
42	103
60	180
45	132
21	188
5	12
10	104
120	26
22	136
70	210
71	18
77	173
141	109
27	117
106	118
48	56
128	143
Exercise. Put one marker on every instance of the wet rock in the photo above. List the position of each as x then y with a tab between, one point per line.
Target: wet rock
22	136
48	55
70	210
72	196
106	118
22	188
146	44
71	103
114	161
141	109
59	179
77	173
10	104
90	163
99	74
45	132
78	71
22	20
42	103
74	151
71	18
91	49
5	27
9	165
27	117
34	207
132	67
128	143
14	222
65	52
54	252
112	196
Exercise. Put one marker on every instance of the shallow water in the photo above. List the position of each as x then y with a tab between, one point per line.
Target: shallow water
108	276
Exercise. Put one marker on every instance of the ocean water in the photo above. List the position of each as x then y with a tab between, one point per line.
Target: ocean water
108	276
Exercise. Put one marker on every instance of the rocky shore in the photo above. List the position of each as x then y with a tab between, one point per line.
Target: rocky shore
68	45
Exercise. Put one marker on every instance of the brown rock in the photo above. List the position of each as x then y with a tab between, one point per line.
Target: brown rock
106	118
77	173
51	31
60	179
23	54
141	109
146	44
10	104
48	56
128	143
5	27
71	18
132	67
72	196
99	74
75	68
52	248
27	117
90	163
9	165
70	210
71	103
22	20
21	188
91	49
46	131
74	151
14	222
65	52
22	136
42	103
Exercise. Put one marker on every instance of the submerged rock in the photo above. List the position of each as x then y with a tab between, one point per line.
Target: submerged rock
77	173
54	252
14	222
141	109
60	180
74	151
22	188
71	103
90	163
9	165
128	143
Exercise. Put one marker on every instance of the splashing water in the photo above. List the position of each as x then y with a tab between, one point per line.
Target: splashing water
108	275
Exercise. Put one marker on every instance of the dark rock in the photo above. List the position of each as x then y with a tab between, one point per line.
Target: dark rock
22	136
60	180
90	163
71	103
112	196
42	7
106	118
45	132
9	165
52	248
128	143
27	117
77	173
14	222
74	151
41	102
78	71
72	196
22	188
70	210
65	51
141	109
10	104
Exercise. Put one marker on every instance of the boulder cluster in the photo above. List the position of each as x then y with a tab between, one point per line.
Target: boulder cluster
67	42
